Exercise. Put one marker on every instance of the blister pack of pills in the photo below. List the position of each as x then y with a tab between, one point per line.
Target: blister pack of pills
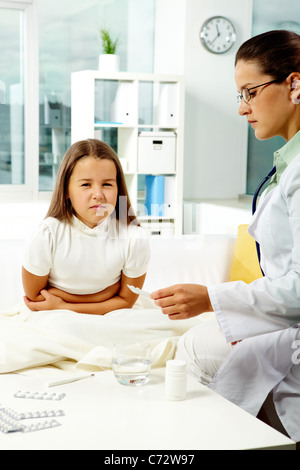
12	421
40	395
8	424
53	423
40	414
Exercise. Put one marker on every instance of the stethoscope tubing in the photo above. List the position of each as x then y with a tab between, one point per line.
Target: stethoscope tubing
254	202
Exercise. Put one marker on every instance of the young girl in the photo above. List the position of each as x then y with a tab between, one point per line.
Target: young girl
89	248
264	314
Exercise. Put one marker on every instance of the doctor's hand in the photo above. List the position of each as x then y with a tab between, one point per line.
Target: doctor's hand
183	301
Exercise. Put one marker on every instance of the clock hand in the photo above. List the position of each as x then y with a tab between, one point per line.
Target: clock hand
218	34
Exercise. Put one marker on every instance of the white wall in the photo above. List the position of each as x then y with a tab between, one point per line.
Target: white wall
215	136
140	19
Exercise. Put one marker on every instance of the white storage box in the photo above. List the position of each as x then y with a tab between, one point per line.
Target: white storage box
157	152
158	229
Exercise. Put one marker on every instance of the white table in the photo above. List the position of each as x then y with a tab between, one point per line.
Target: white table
102	414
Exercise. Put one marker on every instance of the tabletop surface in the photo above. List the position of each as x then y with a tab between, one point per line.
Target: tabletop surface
100	413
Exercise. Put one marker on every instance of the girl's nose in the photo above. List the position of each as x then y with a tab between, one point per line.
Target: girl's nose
98	193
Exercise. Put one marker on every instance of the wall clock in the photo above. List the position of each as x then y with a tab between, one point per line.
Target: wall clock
218	34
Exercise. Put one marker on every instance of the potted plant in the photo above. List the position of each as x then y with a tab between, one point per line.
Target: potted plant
109	61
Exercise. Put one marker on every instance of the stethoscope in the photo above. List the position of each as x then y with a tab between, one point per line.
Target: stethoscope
254	202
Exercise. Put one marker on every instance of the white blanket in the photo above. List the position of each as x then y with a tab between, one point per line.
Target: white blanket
34	339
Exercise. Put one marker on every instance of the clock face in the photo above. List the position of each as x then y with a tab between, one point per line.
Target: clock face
218	34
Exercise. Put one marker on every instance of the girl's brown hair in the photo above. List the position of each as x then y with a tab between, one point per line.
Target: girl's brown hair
277	53
60	205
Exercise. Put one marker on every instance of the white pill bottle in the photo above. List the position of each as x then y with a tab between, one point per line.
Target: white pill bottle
175	380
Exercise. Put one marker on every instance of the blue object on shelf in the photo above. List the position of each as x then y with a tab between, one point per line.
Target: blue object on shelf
155	195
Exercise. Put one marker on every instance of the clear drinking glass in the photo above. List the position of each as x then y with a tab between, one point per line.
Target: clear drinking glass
131	362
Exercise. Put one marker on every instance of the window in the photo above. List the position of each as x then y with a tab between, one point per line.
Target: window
69	41
42	43
16	100
12	97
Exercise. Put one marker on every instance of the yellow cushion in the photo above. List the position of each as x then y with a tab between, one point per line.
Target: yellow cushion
245	266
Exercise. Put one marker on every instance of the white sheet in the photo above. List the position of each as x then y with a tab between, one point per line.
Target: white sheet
34	339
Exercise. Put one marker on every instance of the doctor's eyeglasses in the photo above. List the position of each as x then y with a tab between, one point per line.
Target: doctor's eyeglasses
246	94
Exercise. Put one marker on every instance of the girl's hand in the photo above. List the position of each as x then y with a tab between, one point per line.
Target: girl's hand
50	302
183	301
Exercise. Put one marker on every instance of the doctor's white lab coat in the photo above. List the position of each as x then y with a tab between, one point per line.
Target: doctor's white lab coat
266	313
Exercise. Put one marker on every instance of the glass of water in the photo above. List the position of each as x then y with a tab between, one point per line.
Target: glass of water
131	362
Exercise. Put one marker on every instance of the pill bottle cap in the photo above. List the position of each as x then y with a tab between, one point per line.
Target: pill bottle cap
176	365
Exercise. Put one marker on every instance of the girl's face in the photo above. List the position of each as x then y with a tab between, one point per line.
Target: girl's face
93	190
270	110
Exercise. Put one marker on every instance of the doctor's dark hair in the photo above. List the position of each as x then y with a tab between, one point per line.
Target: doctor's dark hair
60	205
277	53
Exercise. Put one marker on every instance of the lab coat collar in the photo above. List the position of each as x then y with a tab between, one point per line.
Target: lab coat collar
284	156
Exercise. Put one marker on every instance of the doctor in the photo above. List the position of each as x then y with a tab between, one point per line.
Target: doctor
255	347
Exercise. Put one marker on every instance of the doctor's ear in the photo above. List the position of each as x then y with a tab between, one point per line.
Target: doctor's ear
295	87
